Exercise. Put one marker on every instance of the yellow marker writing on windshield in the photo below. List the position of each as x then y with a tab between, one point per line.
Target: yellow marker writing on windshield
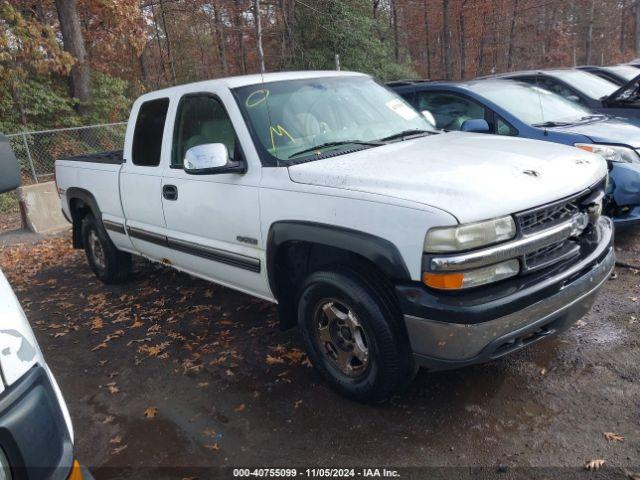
256	98
280	132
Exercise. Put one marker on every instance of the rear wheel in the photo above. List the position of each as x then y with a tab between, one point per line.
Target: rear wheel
108	263
354	335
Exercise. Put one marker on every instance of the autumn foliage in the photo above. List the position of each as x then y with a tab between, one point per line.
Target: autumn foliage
134	46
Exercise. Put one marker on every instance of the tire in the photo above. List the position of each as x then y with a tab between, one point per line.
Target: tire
108	263
369	361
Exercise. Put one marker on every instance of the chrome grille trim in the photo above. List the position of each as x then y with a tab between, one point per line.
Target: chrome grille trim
538	218
504	251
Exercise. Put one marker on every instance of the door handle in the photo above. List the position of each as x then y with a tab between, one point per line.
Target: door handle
170	192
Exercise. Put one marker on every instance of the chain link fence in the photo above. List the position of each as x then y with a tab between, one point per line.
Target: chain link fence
37	151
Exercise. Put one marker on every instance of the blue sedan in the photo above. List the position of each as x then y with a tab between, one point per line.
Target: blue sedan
505	107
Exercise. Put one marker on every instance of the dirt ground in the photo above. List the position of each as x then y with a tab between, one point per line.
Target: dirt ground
170	371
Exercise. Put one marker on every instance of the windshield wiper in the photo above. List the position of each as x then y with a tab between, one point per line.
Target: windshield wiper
405	133
552	124
334	144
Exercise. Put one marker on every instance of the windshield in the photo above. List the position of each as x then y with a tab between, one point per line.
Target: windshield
587	83
625	71
289	117
533	105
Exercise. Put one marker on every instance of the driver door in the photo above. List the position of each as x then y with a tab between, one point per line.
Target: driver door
213	221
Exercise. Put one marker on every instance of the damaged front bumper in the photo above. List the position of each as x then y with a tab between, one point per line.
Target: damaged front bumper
455	333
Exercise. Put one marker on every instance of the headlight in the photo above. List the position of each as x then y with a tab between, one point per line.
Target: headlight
469	236
472	278
611	153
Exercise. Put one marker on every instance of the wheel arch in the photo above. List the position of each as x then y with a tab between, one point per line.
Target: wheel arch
81	202
295	248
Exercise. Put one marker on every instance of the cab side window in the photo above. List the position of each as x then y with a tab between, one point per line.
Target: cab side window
449	110
147	136
202	119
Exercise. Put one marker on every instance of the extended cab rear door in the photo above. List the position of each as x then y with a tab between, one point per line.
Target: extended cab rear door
141	176
213	220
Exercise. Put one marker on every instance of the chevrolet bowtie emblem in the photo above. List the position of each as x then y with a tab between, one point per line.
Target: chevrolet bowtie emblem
531	173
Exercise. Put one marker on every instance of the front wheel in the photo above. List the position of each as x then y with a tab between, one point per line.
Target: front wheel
108	263
354	336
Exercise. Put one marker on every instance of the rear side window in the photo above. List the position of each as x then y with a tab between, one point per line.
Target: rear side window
147	136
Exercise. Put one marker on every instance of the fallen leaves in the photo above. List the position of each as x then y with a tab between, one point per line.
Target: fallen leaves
153	350
136	323
240	408
116	441
113	389
613	437
271	360
212	446
96	323
281	355
151	412
594	464
100	346
117	450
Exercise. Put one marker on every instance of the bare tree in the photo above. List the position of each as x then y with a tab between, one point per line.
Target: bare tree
446	41
394	20
514	15
637	27
589	43
218	28
427	45
239	27
258	25
74	44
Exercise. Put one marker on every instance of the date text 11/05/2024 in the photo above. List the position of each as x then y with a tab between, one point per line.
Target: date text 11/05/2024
316	472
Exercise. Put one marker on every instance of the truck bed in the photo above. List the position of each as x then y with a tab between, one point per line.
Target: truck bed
113	157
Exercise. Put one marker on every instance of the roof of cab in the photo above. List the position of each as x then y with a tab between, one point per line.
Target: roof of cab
256	79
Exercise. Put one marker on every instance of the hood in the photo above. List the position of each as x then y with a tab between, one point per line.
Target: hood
609	130
629	92
472	176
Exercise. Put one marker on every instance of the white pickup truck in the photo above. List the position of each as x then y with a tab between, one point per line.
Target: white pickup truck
389	244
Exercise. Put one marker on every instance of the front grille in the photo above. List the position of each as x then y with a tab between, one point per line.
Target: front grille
547	216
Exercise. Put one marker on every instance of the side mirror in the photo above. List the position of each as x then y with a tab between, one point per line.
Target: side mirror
9	169
475	125
428	116
209	159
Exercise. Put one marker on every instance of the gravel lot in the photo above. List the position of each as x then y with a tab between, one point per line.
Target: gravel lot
170	371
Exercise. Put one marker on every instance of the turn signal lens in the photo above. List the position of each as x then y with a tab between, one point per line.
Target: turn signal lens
471	278
611	153
76	471
442	281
